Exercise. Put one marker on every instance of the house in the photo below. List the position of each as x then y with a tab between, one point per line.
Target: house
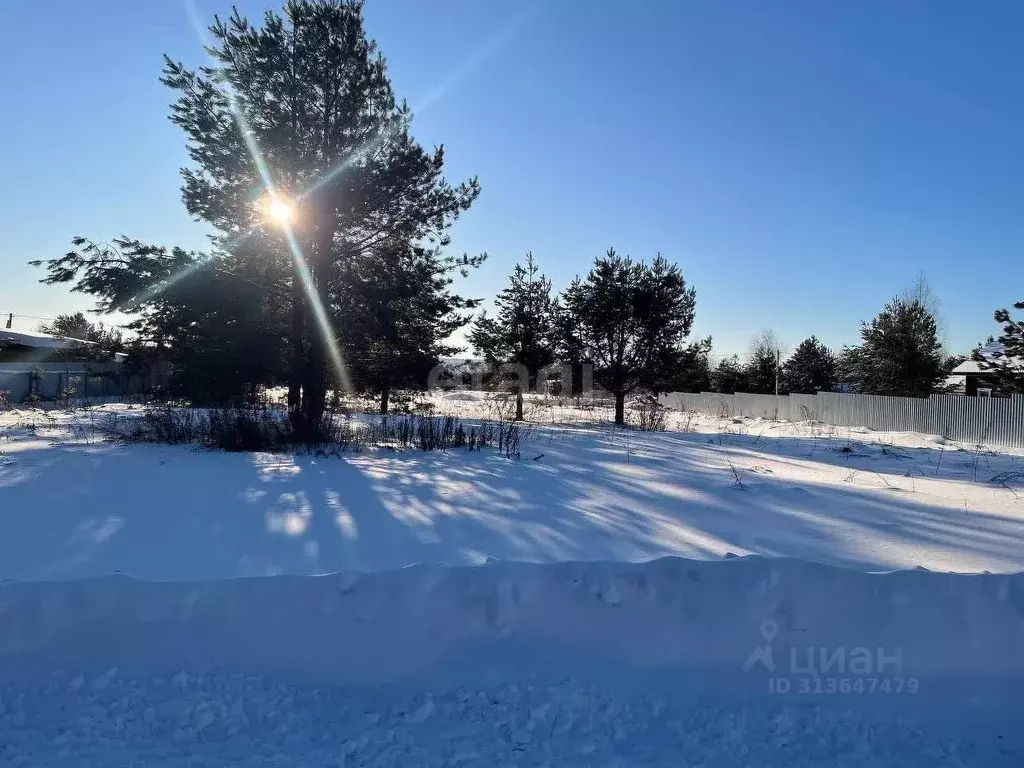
25	347
40	366
974	377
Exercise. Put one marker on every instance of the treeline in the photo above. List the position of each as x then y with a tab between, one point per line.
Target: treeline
329	266
900	354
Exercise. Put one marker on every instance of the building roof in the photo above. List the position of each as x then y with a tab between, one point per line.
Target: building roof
994	355
39	340
969	366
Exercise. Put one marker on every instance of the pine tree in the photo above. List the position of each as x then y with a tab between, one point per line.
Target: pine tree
762	368
952	361
300	106
1003	358
407	310
729	376
848	364
693	373
522	332
811	368
899	354
630	320
222	332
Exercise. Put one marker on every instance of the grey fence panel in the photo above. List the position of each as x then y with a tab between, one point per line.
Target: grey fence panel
52	381
14	384
977	420
980	420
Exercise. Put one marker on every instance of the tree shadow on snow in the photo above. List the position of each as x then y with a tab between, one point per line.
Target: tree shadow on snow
170	512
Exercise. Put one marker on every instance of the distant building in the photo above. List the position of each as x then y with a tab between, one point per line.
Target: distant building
26	347
45	367
974	378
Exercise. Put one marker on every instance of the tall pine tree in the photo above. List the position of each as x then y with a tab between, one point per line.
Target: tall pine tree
810	369
899	354
296	117
630	320
522	332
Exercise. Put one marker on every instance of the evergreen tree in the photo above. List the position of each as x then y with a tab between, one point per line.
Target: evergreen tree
523	330
951	362
729	376
847	368
693	373
407	311
630	319
301	107
222	332
1004	357
900	353
811	368
762	368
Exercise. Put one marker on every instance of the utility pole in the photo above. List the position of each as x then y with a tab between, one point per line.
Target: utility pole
10	320
778	364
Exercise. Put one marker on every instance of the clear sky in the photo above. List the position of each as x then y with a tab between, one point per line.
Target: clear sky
801	161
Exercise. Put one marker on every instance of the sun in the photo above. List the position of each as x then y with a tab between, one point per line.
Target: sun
279	211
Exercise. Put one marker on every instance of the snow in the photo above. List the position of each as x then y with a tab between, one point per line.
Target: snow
73	506
726	593
238	720
511	663
39	340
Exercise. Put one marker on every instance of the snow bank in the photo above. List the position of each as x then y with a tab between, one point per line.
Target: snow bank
666	614
670	662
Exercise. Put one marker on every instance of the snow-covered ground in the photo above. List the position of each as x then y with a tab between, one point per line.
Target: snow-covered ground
799	657
671	662
73	506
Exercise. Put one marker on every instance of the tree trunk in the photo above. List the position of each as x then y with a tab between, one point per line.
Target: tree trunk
314	392
385	396
620	407
296	363
519	405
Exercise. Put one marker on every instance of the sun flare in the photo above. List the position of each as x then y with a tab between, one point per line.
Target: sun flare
279	211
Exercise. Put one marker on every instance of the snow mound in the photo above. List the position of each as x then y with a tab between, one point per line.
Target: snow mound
667	614
573	664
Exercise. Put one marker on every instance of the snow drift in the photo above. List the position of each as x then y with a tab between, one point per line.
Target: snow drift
666	614
515	663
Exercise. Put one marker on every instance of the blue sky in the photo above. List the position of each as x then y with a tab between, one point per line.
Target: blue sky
801	161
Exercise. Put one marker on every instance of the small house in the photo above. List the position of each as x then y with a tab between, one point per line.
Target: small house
41	366
974	378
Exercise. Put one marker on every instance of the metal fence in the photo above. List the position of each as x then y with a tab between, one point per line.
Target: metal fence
977	420
21	382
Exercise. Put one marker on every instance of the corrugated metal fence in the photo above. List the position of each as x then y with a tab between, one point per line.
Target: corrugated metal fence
978	420
63	381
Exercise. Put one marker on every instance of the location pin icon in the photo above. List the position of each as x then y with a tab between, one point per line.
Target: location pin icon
769	630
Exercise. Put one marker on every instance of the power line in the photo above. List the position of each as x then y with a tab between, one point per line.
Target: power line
8	313
7	316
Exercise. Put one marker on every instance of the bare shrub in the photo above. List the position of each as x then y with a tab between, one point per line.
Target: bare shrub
647	414
687	425
269	429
